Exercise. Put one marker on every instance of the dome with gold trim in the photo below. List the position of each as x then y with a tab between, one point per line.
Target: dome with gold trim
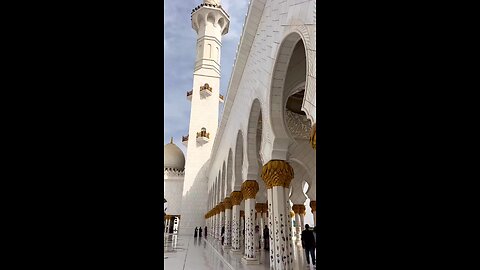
173	157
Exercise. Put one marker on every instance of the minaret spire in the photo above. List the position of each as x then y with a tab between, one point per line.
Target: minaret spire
210	22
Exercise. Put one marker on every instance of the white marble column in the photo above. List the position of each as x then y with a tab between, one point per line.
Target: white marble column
227	244
277	175
242	228
222	221
297	226
249	191
262	226
236	197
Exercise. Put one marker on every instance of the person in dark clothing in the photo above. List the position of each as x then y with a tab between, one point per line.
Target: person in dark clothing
308	243
195	234
266	238
205	232
223	233
200	231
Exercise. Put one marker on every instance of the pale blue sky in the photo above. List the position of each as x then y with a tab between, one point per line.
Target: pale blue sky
179	52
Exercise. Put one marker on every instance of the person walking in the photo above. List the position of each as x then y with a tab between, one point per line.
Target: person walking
223	234
200	232
308	243
206	232
195	234
266	239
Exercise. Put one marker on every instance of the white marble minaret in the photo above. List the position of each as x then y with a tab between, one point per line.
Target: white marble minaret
210	22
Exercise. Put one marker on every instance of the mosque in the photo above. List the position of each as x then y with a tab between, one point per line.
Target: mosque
257	166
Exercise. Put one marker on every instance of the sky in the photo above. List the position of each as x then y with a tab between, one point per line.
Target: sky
179	57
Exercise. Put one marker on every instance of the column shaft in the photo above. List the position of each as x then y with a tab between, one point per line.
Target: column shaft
236	227
228	230
250	229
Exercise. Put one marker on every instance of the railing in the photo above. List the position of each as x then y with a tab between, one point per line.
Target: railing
203	134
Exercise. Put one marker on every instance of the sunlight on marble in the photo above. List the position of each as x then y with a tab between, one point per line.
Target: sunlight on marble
189	253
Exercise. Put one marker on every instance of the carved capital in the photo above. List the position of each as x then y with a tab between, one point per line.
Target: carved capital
302	210
313	136
277	173
249	189
296	208
227	202
259	207
236	197
221	207
313	205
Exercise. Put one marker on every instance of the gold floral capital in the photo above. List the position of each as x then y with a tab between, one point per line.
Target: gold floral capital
277	173
297	208
227	202
302	210
249	189
313	136
236	197
292	214
258	207
221	207
313	205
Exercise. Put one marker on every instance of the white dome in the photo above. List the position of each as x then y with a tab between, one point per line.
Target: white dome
173	157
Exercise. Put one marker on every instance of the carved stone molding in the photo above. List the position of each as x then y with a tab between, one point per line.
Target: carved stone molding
236	197
277	173
298	125
249	189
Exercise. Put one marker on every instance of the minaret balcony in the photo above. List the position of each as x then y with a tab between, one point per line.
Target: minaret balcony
189	95
221	99
185	140
205	90
203	136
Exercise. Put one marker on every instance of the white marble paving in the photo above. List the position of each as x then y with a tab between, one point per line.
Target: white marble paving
189	253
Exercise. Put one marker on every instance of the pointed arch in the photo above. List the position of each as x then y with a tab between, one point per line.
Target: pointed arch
238	179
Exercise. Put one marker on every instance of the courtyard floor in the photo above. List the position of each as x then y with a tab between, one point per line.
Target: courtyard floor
189	253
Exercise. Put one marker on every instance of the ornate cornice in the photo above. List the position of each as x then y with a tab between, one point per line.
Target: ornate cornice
249	189
277	173
236	197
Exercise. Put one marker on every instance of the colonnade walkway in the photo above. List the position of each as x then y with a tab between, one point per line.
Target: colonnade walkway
189	253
